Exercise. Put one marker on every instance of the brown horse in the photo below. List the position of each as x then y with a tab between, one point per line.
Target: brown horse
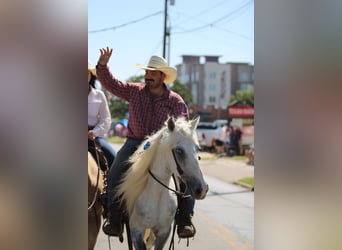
95	209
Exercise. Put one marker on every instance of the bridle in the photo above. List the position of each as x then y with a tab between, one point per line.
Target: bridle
180	172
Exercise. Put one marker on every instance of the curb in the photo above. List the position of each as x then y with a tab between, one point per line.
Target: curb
244	185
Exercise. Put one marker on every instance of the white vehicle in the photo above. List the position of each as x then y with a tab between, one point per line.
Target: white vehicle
207	131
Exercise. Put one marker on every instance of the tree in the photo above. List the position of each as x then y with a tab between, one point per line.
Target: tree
117	107
246	96
136	78
183	91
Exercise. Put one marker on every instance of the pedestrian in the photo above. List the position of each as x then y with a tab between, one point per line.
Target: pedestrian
250	154
150	105
220	142
234	141
99	120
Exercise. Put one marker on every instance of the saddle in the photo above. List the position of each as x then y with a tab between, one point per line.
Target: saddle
95	149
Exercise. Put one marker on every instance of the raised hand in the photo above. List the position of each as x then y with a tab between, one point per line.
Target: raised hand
106	53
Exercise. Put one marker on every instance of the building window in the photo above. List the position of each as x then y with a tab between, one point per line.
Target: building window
212	99
244	77
212	87
212	75
245	86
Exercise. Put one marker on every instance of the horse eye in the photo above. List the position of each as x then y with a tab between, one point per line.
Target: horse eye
199	158
179	151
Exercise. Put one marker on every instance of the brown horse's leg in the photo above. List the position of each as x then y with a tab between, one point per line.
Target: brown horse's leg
95	188
94	225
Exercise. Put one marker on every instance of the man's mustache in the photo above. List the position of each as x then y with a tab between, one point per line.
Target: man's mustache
149	80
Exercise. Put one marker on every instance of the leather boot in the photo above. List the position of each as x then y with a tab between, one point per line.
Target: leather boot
185	228
113	225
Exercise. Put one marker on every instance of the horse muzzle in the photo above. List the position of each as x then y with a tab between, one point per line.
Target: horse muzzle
201	192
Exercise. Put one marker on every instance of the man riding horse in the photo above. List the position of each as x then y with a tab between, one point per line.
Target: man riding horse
150	105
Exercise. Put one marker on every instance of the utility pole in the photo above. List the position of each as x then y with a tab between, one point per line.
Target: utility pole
166	31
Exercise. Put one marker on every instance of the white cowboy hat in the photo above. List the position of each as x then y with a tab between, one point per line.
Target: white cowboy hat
91	69
160	64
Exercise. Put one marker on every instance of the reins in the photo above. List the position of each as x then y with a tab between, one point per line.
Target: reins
180	171
167	187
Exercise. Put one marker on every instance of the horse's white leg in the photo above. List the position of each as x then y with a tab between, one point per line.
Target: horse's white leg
137	231
138	238
149	239
161	238
162	232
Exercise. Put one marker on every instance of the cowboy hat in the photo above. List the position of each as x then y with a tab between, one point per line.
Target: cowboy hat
91	69
160	64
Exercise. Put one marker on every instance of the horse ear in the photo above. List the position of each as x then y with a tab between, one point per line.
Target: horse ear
171	124
194	123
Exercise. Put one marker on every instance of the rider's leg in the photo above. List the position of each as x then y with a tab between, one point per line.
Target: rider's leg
91	148
185	211
113	226
107	149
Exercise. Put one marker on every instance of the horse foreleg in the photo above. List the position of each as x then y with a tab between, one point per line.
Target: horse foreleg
161	238
149	239
138	239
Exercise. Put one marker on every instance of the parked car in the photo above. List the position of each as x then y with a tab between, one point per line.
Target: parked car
206	131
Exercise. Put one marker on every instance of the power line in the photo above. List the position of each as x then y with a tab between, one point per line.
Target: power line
125	24
206	10
243	7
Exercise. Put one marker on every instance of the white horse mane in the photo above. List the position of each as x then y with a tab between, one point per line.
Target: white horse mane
135	179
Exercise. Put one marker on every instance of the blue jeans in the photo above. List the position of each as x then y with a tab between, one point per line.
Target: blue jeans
107	149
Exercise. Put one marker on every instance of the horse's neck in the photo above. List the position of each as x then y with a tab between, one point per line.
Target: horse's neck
160	170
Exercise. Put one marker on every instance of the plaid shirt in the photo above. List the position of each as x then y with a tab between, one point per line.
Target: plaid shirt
147	114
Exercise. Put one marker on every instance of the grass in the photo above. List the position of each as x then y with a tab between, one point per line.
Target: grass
116	139
240	157
249	181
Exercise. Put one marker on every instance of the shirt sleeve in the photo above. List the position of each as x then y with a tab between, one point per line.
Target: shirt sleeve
112	84
103	126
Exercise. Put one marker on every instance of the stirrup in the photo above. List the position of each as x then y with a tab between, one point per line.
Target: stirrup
186	235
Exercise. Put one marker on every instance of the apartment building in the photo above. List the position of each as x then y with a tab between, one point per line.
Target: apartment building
212	83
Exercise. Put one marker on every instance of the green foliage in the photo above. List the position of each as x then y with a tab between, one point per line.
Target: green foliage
118	107
183	91
136	78
243	96
116	139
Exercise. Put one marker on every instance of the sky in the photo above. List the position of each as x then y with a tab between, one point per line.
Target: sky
135	28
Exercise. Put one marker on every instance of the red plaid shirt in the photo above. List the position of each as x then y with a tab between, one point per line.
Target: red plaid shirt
146	113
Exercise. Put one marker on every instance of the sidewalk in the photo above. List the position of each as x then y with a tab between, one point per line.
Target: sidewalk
225	168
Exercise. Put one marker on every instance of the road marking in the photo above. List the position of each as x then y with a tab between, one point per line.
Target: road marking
225	234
